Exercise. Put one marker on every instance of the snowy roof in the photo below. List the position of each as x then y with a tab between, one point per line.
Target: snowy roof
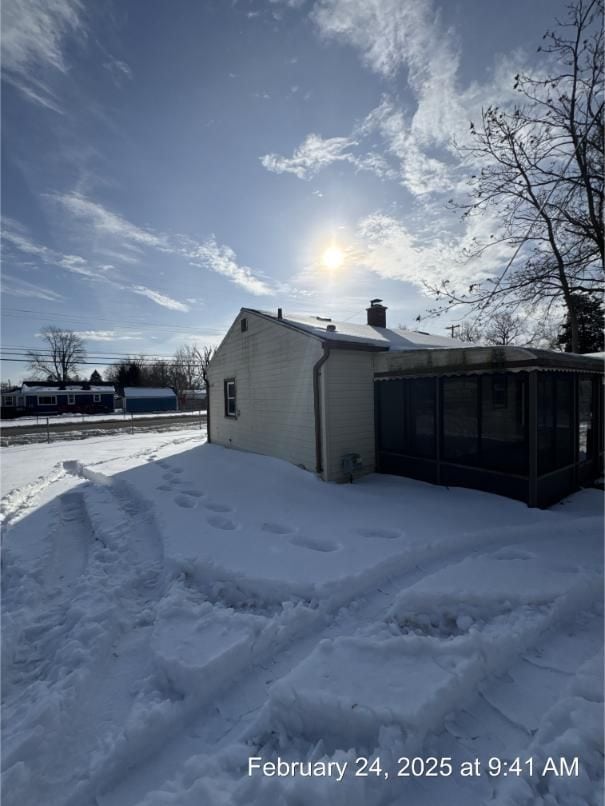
53	390
387	338
471	358
148	391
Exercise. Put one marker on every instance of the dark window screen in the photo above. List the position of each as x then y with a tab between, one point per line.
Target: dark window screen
420	424
390	416
460	420
555	437
504	423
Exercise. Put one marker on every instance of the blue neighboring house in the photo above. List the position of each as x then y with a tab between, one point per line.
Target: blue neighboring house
45	397
145	399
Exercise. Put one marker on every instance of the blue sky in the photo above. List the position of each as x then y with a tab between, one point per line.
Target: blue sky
165	164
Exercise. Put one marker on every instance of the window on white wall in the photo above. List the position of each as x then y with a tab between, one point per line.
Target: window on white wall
230	398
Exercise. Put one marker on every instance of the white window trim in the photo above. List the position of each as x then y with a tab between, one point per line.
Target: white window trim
96	398
230	382
71	400
53	399
9	400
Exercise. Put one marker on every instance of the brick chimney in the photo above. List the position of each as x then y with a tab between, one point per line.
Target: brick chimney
377	314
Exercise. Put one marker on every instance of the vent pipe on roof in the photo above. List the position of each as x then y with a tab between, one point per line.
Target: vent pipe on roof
280	313
377	314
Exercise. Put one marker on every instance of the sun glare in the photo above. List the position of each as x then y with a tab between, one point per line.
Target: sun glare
333	257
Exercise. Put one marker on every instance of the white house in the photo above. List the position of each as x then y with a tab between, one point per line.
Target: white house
302	387
341	399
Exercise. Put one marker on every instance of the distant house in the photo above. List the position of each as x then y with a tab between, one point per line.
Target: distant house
10	402
192	399
343	399
141	399
48	397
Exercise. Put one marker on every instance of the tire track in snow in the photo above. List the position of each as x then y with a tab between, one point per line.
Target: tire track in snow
255	736
245	688
70	538
88	654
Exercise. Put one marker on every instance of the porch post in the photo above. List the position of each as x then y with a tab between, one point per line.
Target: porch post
438	426
532	430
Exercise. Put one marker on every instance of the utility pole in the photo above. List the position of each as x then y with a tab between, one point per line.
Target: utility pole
452	328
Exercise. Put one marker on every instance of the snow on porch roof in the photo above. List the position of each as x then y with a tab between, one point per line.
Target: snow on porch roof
387	338
148	391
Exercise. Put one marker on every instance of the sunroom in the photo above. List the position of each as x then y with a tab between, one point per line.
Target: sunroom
519	422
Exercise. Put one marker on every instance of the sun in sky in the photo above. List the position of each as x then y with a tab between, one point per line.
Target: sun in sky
333	257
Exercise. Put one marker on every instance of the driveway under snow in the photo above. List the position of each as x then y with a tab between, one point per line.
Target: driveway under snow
173	609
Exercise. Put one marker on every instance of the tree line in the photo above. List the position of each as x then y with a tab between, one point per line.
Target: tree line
504	328
187	370
64	354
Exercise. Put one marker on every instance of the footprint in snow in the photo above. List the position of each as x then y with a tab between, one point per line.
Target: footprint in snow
185	501
218	507
314	543
194	493
384	534
277	528
222	523
164	488
176	470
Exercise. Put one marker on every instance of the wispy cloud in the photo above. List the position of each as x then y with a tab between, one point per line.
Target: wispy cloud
119	70
109	335
104	222
420	173
16	237
223	260
17	287
316	153
311	156
159	299
394	249
395	37
34	33
208	254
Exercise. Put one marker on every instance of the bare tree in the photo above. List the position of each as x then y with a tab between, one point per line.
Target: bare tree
203	356
61	358
503	329
187	368
540	173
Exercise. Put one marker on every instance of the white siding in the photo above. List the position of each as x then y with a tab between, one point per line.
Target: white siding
348	389
273	369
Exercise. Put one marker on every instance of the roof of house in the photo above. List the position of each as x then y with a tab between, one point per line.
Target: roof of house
68	388
148	391
61	384
377	337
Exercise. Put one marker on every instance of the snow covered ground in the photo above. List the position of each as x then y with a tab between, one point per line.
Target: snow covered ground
176	614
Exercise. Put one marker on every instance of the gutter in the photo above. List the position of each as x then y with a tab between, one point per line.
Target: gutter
317	406
208	438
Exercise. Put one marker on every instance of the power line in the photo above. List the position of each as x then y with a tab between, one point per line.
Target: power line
126	324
